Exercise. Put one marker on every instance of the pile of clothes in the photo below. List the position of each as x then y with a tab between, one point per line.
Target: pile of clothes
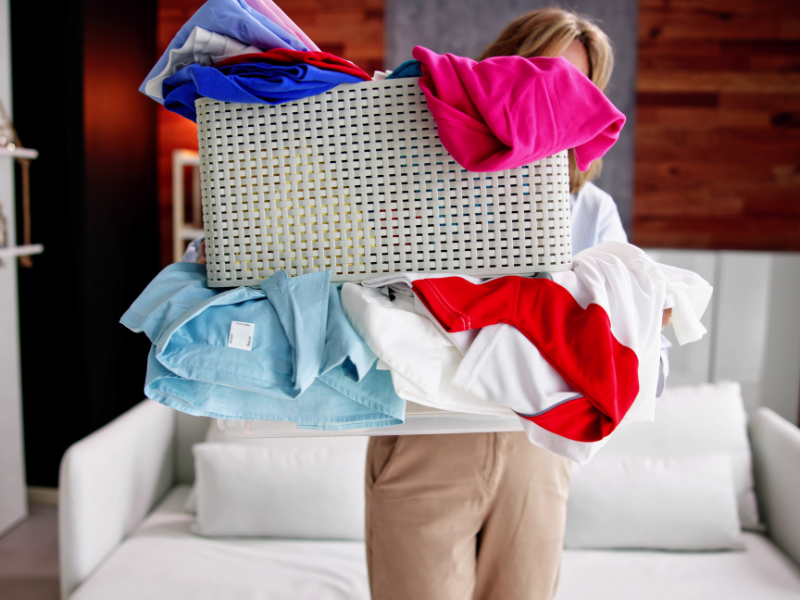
574	354
249	51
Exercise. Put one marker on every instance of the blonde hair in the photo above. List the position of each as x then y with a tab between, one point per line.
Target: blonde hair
548	32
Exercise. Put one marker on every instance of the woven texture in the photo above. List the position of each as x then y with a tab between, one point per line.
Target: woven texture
355	180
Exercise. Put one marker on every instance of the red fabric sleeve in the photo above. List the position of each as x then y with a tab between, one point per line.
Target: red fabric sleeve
460	305
285	56
578	343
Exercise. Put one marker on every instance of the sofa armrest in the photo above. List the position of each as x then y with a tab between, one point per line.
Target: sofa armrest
776	456
108	482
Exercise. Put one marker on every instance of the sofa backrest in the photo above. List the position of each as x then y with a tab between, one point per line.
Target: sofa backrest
189	430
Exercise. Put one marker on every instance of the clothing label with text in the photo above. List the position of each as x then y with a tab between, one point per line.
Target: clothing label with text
241	336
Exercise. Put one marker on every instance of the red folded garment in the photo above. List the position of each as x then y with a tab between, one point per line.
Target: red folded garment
283	56
508	111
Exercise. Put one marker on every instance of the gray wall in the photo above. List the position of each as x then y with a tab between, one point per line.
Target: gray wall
466	27
13	503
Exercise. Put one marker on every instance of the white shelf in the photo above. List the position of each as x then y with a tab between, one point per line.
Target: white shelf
191	233
186	157
19	152
29	250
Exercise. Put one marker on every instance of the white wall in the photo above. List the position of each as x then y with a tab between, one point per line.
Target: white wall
753	323
781	363
13	506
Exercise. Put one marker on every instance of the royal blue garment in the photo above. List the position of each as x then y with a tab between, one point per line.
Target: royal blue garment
259	83
410	68
307	364
236	19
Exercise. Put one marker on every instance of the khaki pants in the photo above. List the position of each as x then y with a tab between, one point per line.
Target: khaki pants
461	517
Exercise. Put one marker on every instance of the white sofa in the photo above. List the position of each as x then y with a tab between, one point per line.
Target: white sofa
124	533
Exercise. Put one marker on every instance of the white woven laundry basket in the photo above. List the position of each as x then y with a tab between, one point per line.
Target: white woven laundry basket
355	180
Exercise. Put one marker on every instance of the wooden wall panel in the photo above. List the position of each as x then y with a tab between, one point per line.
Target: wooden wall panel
352	29
718	129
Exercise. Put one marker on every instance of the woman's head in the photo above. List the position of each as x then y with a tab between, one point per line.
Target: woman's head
557	32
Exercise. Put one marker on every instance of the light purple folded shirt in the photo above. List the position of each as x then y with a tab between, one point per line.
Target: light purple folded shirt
233	18
274	13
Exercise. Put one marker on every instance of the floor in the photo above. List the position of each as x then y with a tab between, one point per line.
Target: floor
29	557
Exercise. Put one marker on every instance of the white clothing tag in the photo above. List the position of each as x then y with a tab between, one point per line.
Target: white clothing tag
241	336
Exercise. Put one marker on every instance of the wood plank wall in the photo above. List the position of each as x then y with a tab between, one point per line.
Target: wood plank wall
352	29
718	128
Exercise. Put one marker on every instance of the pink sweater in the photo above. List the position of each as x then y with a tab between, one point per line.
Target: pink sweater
508	111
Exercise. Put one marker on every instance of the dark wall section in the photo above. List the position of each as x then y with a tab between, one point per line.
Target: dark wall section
121	254
95	209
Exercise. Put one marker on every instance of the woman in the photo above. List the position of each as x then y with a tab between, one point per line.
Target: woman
482	515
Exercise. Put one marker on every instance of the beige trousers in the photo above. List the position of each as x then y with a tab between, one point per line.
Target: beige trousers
464	517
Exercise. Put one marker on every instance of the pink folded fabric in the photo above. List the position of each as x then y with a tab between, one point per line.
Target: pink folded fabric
508	111
274	13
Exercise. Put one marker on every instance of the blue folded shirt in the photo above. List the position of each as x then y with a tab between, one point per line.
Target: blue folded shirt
254	83
306	363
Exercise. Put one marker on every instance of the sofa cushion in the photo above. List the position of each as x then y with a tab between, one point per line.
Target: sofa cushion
760	572
284	491
697	420
346	443
163	560
663	504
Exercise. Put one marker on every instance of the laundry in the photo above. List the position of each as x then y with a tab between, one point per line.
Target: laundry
410	68
332	403
301	350
232	18
274	13
598	326
256	83
422	360
300	346
282	56
202	47
424	365
544	106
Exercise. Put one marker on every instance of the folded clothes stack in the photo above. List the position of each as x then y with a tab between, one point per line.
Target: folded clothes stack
243	51
282	351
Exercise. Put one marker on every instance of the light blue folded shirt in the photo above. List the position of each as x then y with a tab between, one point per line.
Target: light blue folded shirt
306	363
235	19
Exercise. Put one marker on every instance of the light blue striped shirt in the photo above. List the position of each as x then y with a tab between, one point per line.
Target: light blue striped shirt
595	219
